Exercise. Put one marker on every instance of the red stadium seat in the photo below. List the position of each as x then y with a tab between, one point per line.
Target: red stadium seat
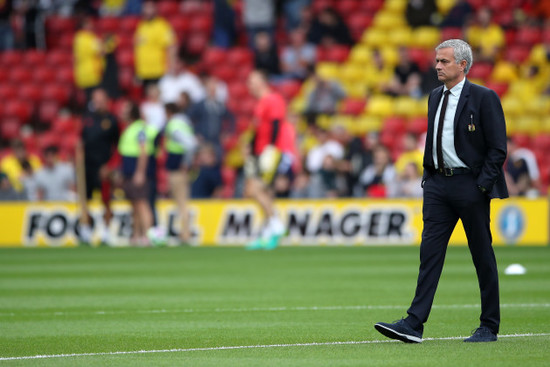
20	74
17	109
65	42
528	36
240	56
4	75
65	125
371	6
9	129
128	24
418	125
499	88
214	56
57	25
346	7
201	24
107	25
289	88
167	8
517	53
11	58
7	92
451	33
319	5
47	111
34	58
65	75
30	92
522	140
57	58
353	106
125	57
237	90
480	70
225	72
541	142
59	93
44	74
358	22
180	24
335	53
197	43
394	125
126	78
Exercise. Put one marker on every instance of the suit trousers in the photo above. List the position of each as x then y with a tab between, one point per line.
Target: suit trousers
447	199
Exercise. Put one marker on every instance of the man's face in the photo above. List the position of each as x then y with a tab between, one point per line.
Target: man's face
448	71
254	83
100	100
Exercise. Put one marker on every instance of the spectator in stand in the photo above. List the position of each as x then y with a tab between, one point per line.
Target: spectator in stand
266	57
88	58
380	174
298	56
292	10
459	15
137	149
321	163
6	32
328	29
421	13
13	164
521	171
100	134
225	31
180	79
209	180
152	109
411	154
211	119
155	45
408	183
259	16
28	179
325	96
407	78
56	179
7	192
355	159
486	37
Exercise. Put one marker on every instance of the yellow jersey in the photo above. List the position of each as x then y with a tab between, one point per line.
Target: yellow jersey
152	40
12	168
89	63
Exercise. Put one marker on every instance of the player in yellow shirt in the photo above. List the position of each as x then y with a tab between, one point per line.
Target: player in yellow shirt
155	45
486	38
88	58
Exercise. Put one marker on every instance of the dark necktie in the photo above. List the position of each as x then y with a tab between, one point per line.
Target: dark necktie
438	144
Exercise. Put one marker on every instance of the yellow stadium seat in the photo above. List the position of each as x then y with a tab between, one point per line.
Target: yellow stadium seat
545	124
388	21
527	124
504	72
538	106
380	106
351	73
375	37
360	54
400	37
538	55
445	5
405	106
426	37
328	70
298	105
390	55
357	89
395	6
365	124
510	125
523	90
512	106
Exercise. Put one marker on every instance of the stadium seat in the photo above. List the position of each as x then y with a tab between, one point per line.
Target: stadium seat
405	106
505	72
20	74
541	142
125	57
43	74
239	56
319	5
167	8
365	124
225	72
47	111
480	70
388	21
335	53
357	23
57	25
528	36
289	88
65	75
346	7
371	6
107	24
9	129
499	87
380	106
451	33
18	109
426	37
180	24
59	93
214	56
58	58
128	24
394	125
197	43
30	92
237	90
11	58
400	37
34	58
517	54
7	92
201	24
375	38
418	125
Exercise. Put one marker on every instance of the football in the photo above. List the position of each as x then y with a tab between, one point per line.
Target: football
157	236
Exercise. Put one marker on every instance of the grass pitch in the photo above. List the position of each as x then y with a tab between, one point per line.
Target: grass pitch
231	307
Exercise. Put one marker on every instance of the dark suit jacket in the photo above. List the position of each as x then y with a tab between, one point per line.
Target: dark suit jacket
484	149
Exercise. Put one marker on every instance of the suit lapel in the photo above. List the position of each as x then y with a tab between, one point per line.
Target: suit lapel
462	101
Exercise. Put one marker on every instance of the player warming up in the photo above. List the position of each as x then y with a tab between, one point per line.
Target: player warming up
267	156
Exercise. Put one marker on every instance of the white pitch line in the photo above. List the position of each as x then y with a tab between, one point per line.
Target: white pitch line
260	346
266	309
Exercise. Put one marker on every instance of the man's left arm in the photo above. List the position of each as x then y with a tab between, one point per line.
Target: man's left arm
494	132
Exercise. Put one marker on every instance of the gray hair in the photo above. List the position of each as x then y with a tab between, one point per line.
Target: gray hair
462	51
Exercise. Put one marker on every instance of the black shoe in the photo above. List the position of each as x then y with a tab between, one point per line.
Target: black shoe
482	334
399	330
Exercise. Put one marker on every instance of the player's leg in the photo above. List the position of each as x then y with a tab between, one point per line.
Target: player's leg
179	186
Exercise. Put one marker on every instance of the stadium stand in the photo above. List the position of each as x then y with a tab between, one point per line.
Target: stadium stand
36	84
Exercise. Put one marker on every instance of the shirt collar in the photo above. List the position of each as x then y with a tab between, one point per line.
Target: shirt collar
457	89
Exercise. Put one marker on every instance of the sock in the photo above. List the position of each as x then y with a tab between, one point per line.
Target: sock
276	226
85	233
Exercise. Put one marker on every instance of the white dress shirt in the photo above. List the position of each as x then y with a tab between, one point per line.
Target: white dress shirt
450	158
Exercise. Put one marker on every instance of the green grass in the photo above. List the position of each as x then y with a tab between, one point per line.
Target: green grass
62	301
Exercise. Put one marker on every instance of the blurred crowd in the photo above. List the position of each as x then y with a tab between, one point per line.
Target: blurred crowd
334	162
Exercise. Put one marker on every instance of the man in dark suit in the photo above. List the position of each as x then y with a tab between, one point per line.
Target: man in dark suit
463	159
